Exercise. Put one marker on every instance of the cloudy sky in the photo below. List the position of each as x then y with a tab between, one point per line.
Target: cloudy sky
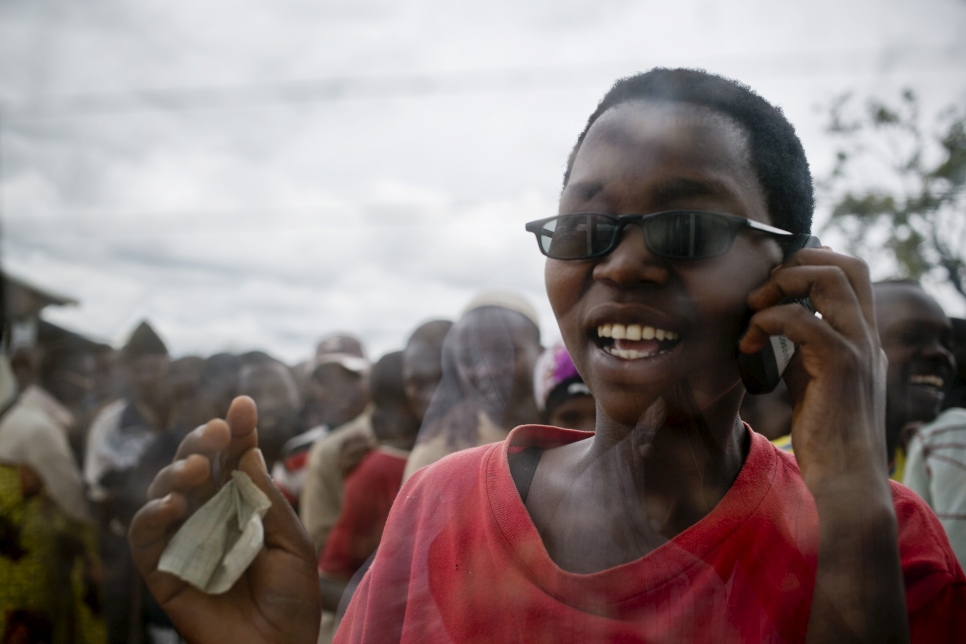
258	174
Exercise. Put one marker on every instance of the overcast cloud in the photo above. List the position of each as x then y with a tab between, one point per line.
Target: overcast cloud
258	174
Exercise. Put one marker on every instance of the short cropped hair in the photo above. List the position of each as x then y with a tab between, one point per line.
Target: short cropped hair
386	381
777	156
897	281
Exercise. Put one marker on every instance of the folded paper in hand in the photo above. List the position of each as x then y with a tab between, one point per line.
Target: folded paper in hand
218	542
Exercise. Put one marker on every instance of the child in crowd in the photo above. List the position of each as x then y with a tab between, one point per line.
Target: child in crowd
563	398
670	256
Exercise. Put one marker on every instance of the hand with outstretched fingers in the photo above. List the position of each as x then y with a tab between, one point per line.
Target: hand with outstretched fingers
277	598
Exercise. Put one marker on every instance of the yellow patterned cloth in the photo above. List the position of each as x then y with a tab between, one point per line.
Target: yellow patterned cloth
897	466
784	443
47	566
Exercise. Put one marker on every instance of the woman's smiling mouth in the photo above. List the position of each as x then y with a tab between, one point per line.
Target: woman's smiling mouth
634	341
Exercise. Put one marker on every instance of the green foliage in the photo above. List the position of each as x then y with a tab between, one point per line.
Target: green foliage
897	193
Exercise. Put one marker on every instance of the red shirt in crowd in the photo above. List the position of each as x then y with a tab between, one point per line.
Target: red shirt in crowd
370	489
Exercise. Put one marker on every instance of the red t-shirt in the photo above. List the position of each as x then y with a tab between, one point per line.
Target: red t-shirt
462	561
370	489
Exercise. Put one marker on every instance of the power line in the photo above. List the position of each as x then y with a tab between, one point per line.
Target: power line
289	219
787	65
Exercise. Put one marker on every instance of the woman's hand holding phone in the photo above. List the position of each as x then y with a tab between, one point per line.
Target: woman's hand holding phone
837	383
837	378
762	370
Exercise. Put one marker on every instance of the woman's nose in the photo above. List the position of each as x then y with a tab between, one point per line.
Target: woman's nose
631	262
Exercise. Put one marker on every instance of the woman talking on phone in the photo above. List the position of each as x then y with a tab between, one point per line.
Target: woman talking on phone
673	254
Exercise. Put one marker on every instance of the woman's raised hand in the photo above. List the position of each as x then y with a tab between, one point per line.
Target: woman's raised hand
277	598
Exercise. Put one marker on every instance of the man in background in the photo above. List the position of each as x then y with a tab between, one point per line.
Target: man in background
337	392
34	432
936	466
335	454
371	485
121	435
422	363
272	386
915	335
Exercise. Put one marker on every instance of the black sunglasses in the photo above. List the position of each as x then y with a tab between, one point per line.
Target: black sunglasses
674	234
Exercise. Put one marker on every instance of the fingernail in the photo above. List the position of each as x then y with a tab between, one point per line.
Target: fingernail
262	459
166	499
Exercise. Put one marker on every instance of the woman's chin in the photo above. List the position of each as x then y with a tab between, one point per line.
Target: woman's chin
635	408
632	409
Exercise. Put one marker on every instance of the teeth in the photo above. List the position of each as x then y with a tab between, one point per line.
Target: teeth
932	381
634	332
627	354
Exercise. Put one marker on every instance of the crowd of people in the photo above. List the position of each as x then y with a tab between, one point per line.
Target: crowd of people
477	485
80	446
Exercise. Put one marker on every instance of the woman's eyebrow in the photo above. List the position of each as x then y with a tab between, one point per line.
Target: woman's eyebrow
585	190
675	189
663	192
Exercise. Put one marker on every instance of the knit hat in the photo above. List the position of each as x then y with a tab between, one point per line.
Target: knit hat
143	341
555	376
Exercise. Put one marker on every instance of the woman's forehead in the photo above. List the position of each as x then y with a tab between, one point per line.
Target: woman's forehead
672	112
667	123
649	144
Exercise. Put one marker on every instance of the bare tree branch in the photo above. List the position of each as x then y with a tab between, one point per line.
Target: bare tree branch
917	214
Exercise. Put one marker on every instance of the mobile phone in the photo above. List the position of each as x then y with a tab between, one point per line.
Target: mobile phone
762	370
